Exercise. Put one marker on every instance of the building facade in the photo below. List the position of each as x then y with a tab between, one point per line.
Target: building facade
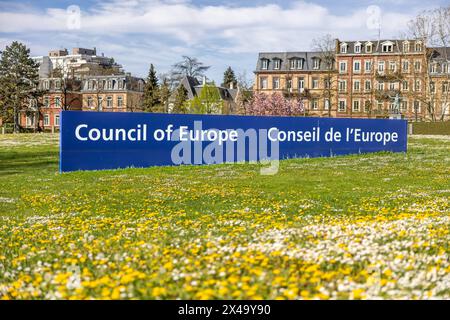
305	75
112	93
59	95
369	79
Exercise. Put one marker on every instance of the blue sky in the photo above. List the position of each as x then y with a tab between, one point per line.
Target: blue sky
220	33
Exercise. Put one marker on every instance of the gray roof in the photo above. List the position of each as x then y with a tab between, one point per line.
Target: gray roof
286	57
441	53
376	46
193	87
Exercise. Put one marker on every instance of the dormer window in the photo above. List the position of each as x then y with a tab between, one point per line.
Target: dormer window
406	46
276	64
296	64
343	48
418	46
357	47
316	63
369	47
387	47
264	64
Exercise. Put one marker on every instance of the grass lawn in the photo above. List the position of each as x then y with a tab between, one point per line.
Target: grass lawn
363	226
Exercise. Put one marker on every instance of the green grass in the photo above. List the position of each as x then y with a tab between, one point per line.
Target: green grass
359	226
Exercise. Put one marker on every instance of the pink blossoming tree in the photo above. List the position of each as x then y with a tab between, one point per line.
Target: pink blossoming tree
274	105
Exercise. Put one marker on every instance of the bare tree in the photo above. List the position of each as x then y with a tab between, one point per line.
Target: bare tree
326	47
431	27
189	66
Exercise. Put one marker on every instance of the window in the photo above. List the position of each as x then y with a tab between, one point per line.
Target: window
57	102
445	67
315	83
367	106
264	83
445	87
380	86
368	47
433	68
432	87
405	66
46	85
380	105
57	84
343	67
46	102
300	64
357	66
46	119
416	108
405	85
392	66
30	120
90	101
358	48
293	64
417	65
404	105
406	46
342	85
417	85
289	84
316	64
276	83
356	85
368	66
387	47
327	83
121	82
109	102
119	101
343	48
392	86
356	105
276	64
110	85
418	46
315	104
368	85
381	66
342	105
56	120
89	85
301	84
100	103
264	64
326	104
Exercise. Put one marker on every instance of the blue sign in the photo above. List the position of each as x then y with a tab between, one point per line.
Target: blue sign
111	140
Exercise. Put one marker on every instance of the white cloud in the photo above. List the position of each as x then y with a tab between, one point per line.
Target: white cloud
140	31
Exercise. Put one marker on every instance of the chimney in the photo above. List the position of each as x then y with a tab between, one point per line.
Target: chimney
95	51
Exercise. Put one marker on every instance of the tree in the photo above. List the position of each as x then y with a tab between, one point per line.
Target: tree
19	79
68	84
189	66
207	102
325	46
274	105
151	97
181	96
244	94
432	28
229	78
164	95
